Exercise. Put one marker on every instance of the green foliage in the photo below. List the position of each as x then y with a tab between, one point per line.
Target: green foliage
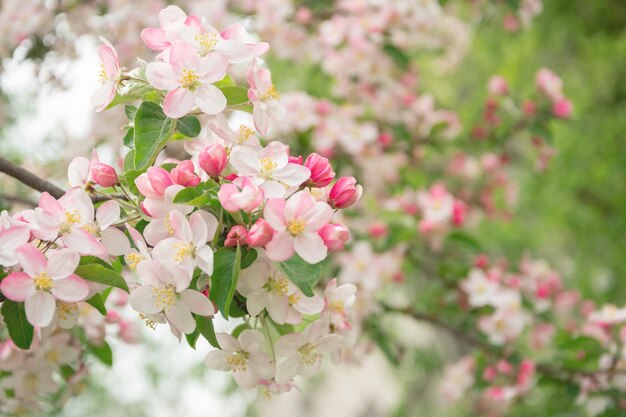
189	126
204	325
20	330
98	303
95	272
152	129
303	274
103	352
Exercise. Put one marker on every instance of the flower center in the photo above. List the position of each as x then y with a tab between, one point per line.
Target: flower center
52	356
165	297
65	310
43	282
271	93
308	355
238	361
103	77
207	41
168	226
244	134
280	286
268	165
337	306
295	227
71	218
184	250
294	298
189	79
92	228
133	259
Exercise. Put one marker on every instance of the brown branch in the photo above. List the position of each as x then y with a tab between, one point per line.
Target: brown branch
17	199
37	183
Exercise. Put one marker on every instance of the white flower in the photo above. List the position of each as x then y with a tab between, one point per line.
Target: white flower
479	288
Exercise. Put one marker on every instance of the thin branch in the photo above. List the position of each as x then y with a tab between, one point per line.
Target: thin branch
17	199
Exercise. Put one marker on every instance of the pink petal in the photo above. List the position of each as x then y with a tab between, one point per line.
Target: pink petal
180	224
298	205
17	286
178	103
292	174
155	39
204	226
108	213
78	171
51	205
310	247
281	247
33	262
109	58
288	369
183	56
261	118
204	259
251	340
104	95
84	243
210	99
245	161
40	308
62	263
72	289
162	76
274	213
115	242
171	14
227	342
320	215
235	31
217	360
212	67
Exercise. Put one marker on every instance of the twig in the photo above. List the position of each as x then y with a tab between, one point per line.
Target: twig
17	199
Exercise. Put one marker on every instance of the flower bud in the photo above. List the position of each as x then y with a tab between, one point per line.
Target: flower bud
345	193
378	229
295	159
242	194
236	236
562	108
103	174
260	234
335	236
153	183
459	211
497	86
322	173
185	175
213	160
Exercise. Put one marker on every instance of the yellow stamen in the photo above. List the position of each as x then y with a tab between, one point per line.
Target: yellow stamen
280	286
238	361
244	134
43	282
207	41
165	298
92	228
133	259
267	168
271	93
103	77
71	218
149	323
294	298
308	354
189	79
184	250
337	306
295	227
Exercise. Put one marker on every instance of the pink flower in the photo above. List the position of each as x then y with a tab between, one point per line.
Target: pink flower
153	182
104	175
322	172
296	223
110	74
549	84
213	160
338	300
335	236
43	282
259	234
497	86
344	193
11	239
562	108
184	174
241	194
264	97
189	80
236	236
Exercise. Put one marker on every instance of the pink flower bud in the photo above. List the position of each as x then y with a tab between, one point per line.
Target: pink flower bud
504	367
322	173
103	174
489	374
323	107
562	108
497	86
260	234
185	175
213	160
236	236
295	159
385	139
378	229
459	210
345	193
242	194
335	236
153	183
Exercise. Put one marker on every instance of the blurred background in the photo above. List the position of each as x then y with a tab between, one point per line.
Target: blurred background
572	214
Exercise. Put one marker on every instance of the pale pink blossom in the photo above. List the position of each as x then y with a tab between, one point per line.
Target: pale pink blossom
259	234
264	97
43	282
11	239
244	357
110	75
189	80
213	160
338	301
296	223
479	288
241	194
335	236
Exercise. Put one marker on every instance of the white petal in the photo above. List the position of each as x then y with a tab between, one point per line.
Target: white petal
197	302
40	308
288	369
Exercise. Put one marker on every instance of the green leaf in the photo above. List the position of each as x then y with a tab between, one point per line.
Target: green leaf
129	162
86	260
226	268
129	179
20	330
102	275
98	303
205	326
130	111
102	352
198	196
152	130
464	239
399	57
303	274
237	330
227	81
128	140
192	337
235	95
189	126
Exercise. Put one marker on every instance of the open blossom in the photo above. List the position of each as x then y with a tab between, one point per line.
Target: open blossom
188	246
110	75
296	223
549	84
43	282
264	97
189	80
241	194
270	167
266	287
338	300
176	25
11	239
480	289
244	357
609	314
79	171
243	136
303	352
166	292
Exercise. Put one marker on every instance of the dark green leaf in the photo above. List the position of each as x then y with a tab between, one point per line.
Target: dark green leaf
223	279
192	337
303	274
205	326
20	330
234	279
86	260
102	275
128	140
189	126
152	130
97	302
399	57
